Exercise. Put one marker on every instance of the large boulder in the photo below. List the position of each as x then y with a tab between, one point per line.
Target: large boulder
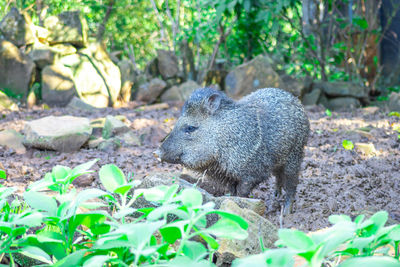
6	103
394	102
259	227
312	97
16	69
67	27
128	76
148	92
97	79
181	92
255	74
42	55
16	27
295	86
65	133
342	89
58	86
167	63
343	103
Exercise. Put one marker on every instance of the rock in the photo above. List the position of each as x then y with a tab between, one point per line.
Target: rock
180	93
94	143
167	63
41	33
110	145
151	69
394	102
58	86
128	76
342	89
31	99
16	70
84	180
366	149
7	103
160	106
65	133
78	104
67	27
259	227
42	55
255	74
370	110
64	49
293	85
129	139
16	27
113	126
342	103
312	97
92	87
148	92
13	140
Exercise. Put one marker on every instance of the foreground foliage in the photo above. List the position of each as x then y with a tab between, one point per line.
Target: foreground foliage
55	225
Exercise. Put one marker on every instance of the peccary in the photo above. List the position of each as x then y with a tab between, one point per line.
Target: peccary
240	143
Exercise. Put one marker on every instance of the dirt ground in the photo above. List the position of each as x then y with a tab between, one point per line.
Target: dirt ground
333	180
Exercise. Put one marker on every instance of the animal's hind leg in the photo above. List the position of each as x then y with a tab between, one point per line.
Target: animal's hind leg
291	177
279	181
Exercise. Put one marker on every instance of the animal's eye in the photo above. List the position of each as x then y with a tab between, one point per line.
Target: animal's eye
190	129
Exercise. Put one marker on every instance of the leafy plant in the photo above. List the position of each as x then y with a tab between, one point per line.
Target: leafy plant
361	240
347	144
3	174
328	113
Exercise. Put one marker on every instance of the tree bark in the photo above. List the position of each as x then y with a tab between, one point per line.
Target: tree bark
102	27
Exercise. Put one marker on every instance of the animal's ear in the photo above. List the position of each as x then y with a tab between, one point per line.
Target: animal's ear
212	103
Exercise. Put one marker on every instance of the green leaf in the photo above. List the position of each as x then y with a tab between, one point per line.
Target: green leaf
170	234
111	177
194	250
347	144
334	219
295	239
41	202
362	23
236	218
155	194
31	220
3	174
73	259
227	228
82	169
36	253
191	197
394	113
184	261
328	113
371	261
60	174
162	211
97	260
282	257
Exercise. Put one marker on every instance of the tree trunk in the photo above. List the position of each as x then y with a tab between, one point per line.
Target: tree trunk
102	27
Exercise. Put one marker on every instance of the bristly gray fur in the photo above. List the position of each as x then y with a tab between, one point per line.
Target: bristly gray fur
240	143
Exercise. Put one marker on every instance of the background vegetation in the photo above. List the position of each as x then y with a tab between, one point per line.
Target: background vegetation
324	39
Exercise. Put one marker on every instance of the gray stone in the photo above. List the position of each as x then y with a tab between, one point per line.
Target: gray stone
259	227
148	92
248	77
94	75
7	103
114	126
312	97
129	139
42	55
13	140
67	27
128	76
58	86
78	104
293	85
394	102
342	89
16	70
343	103
16	27
167	63
109	145
64	49
181	92
65	133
